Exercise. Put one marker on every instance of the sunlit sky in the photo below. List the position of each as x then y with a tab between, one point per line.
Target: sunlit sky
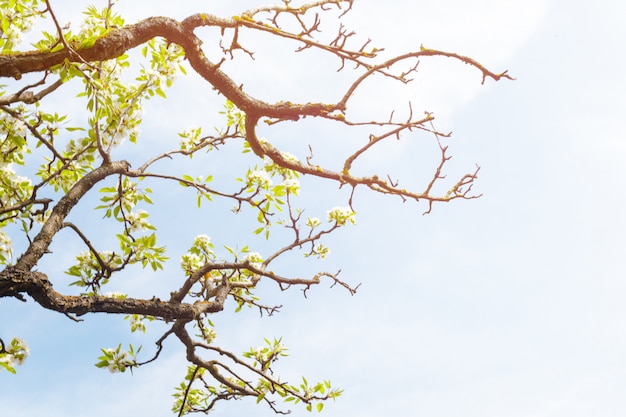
507	305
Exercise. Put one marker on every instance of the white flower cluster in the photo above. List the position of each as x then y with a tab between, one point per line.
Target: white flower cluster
277	170
126	127
87	262
84	259
111	68
138	221
313	222
6	169
200	252
136	323
91	27
209	335
165	63
51	128
321	251
6	250
260	178
117	360
254	258
13	34
265	354
12	126
258	352
289	157
115	294
126	116
73	147
15	353
341	215
203	242
20	20
111	258
12	186
292	185
189	138
190	262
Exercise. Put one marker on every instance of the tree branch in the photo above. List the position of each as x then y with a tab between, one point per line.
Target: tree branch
42	241
14	281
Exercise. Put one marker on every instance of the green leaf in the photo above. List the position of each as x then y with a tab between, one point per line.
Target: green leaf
74	72
108	189
8	367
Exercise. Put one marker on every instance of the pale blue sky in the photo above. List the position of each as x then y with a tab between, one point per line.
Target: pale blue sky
509	305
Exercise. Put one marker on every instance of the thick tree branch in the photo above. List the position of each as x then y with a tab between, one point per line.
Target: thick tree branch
14	281
120	40
42	241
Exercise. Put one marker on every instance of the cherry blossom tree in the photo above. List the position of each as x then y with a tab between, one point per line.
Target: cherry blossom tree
52	164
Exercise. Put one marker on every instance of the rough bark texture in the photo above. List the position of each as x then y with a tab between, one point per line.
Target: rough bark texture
14	281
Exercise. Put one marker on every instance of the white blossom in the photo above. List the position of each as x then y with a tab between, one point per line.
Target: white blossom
189	138
19	127
16	353
261	178
138	221
6	169
313	222
202	241
136	323
341	215
292	185
254	258
203	247
116	361
112	259
190	262
84	260
20	350
321	251
210	335
14	35
6	359
6	249
289	157
115	294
